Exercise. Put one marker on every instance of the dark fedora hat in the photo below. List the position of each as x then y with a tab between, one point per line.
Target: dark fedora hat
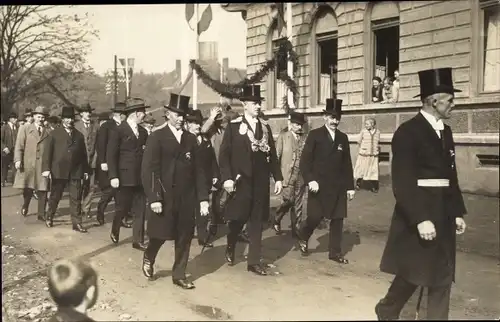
251	93
28	112
119	107
68	112
434	81
133	104
54	119
333	107
85	108
104	116
178	103
12	115
296	117
194	116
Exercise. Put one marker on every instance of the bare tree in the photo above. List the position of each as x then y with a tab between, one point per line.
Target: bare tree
40	48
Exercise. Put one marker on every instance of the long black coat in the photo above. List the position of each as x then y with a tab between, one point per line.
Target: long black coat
65	156
173	174
418	153
207	154
329	164
255	168
124	154
102	139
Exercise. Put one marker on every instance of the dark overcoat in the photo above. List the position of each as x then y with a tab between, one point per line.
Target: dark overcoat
65	156
173	174
102	139
90	135
418	153
124	154
68	314
236	157
207	154
328	163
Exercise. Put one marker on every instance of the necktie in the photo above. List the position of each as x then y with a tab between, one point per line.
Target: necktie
40	130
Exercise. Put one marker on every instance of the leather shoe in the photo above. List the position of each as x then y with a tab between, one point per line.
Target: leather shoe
184	283
277	228
115	238
230	255
35	195
139	246
339	259
147	267
383	316
257	269
79	228
206	245
243	237
24	211
302	246
49	222
100	221
126	224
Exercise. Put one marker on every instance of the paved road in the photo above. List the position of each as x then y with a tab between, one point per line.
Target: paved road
310	288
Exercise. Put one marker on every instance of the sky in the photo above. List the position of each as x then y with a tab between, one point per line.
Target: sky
157	35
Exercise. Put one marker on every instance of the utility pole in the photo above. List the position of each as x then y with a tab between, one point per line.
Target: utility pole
115	82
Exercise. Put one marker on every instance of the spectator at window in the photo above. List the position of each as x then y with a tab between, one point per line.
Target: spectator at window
395	86
376	89
387	94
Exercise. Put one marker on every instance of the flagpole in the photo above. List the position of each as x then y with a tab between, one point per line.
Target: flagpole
289	35
127	78
196	54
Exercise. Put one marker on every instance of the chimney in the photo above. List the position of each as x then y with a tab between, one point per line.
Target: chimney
225	68
178	69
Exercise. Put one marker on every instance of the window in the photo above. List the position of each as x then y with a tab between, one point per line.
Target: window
324	51
279	87
488	160
490	45
384	40
384	157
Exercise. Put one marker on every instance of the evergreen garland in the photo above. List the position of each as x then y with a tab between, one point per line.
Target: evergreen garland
229	90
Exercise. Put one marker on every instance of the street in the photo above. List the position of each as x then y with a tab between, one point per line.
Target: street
311	288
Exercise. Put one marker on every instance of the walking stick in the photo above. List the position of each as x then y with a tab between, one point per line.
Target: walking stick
419	301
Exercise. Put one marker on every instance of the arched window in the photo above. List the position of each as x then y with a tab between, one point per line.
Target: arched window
277	89
324	35
383	32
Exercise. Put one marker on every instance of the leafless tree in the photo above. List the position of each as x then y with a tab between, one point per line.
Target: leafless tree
41	48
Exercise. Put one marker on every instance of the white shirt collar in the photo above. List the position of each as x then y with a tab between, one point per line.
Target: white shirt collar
251	119
436	125
132	123
332	133
117	119
12	125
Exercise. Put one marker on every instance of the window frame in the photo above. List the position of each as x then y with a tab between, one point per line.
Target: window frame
482	6
274	78
318	38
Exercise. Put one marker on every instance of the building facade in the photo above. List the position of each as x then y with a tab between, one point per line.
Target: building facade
343	45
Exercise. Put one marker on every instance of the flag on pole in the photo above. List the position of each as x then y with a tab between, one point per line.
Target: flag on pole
206	19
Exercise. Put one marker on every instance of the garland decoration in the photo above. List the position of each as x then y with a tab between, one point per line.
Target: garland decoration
285	52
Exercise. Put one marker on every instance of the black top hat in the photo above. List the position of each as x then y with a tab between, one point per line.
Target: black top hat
434	81
194	116
178	103
119	107
85	108
251	93
296	117
103	116
68	112
28	112
333	107
133	104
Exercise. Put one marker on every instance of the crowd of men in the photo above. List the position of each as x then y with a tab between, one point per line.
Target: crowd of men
193	173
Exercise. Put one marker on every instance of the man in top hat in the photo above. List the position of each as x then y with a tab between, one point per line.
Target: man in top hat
247	159
89	130
28	116
8	138
206	153
148	123
326	167
73	287
102	140
28	155
289	146
65	162
53	121
124	158
174	180
429	210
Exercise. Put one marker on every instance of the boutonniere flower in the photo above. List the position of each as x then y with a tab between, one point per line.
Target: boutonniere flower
243	128
452	153
340	147
144	146
188	155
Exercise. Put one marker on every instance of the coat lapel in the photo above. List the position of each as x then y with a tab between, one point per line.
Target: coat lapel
129	128
429	131
332	142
